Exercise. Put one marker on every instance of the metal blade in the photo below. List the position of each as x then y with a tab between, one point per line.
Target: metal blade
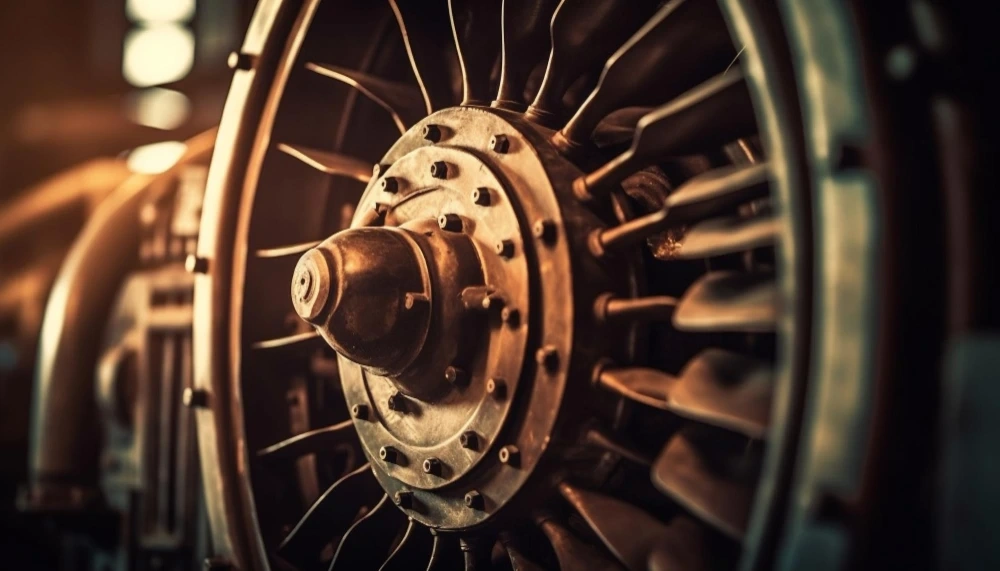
717	387
369	540
682	45
476	25
330	163
330	515
415	546
633	536
584	33
602	439
729	301
426	29
710	115
682	474
318	440
309	337
403	102
445	554
525	42
518	562
573	553
719	236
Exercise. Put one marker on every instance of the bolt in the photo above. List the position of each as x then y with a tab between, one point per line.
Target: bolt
497	388
432	133
456	376
381	209
413	300
548	358
474	500
360	411
510	455
544	230
389	454
195	398
510	316
240	61
505	248
493	301
389	184
378	169
499	144
195	264
469	439
432	466
481	196
403	499
397	402
450	222
439	169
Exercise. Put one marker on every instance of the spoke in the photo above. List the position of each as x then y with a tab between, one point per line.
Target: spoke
318	440
445	554
476	553
402	102
573	553
714	113
369	540
605	441
721	502
518	562
727	235
476	27
288	341
705	195
633	536
717	387
682	45
634	309
330	515
330	163
413	548
282	251
584	33
525	43
429	43
619	127
729	301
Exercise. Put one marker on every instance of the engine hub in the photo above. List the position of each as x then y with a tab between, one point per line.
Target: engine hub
455	350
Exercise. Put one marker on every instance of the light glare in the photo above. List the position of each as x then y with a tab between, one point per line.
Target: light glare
157	55
155	158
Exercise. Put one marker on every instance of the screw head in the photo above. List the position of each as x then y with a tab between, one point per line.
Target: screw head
510	455
548	358
397	402
504	248
432	466
196	264
413	300
450	222
510	316
499	144
544	230
474	500
481	196
469	440
389	454
194	398
240	61
389	184
360	411
497	388
439	169
432	133
493	301
403	499
378	169
456	376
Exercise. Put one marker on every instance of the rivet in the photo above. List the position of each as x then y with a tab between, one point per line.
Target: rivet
469	439
499	144
510	316
389	454
439	169
493	302
510	455
481	196
432	133
240	61
397	402
379	168
544	230
194	398
360	411
456	376
389	184
403	499
548	358
432	466
505	248
196	264
450	222
474	500
413	300
497	388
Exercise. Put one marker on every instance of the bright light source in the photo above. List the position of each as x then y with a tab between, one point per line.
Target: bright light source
155	158
157	108
159	11
161	54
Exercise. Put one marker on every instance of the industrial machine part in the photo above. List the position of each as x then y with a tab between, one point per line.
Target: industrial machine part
113	452
626	287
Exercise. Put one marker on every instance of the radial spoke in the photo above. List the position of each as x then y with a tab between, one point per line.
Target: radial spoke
318	440
720	236
634	309
445	554
717	387
330	515
633	536
710	115
476	553
429	43
404	103
291	250
681	473
573	553
413	548
682	45
330	163
518	561
584	33
729	301
619	127
477	29
525	42
288	341
368	541
605	441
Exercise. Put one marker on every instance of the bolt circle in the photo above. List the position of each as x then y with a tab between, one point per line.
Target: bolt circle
413	300
397	402
481	196
474	500
493	302
360	411
456	376
195	398
504	248
510	455
511	316
403	499
196	264
432	133
548	358
432	466
499	144
544	230
469	440
439	169
497	388
450	222
389	454
389	184
379	168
